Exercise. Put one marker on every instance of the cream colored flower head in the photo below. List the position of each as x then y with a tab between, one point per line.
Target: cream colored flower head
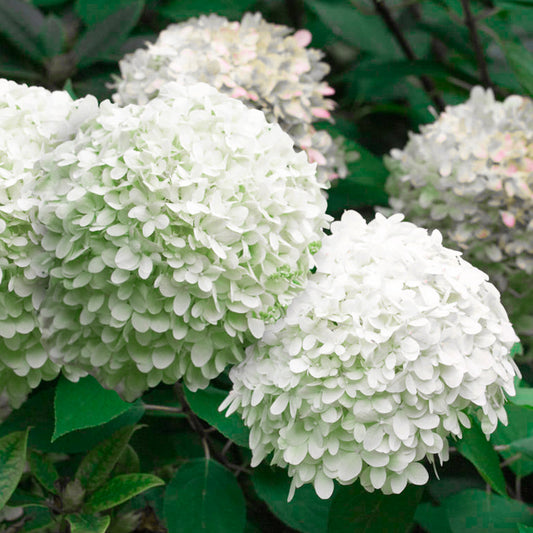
178	229
470	174
394	345
33	121
264	65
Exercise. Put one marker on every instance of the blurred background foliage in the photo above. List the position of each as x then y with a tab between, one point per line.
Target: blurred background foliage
394	65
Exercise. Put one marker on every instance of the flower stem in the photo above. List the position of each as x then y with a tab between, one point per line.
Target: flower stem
395	29
476	44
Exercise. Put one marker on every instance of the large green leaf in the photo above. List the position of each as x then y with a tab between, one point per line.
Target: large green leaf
94	11
51	36
98	464
48	3
37	521
520	427
182	9
119	490
477	511
85	404
128	462
204	497
306	512
354	509
520	60
432	518
21	498
365	183
43	469
523	397
205	404
107	34
480	452
12	463
523	446
86	523
366	32
20	24
38	412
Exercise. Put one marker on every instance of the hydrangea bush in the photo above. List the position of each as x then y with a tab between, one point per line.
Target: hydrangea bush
264	65
32	122
470	174
394	345
178	228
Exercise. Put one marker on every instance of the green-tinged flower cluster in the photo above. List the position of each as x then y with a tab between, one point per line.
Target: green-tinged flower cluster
32	122
170	224
264	65
470	174
395	343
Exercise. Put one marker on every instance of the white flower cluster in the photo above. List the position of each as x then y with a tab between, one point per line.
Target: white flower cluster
177	227
32	122
395	342
262	64
470	174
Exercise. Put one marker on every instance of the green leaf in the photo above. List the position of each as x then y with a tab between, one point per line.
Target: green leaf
517	348
365	183
523	446
96	466
354	509
12	463
204	496
306	512
182	9
44	470
432	518
128	462
399	69
70	90
38	519
523	397
20	24
48	3
119	490
365	32
38	411
479	451
520	427
85	523
94	11
107	35
205	403
21	498
16	72
520	60
84	404
477	511
51	36
524	529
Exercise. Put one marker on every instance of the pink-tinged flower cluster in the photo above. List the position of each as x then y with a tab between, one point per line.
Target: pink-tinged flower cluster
470	174
395	344
264	65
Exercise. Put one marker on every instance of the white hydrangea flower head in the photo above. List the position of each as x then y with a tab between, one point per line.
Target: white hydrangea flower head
265	65
470	174
33	121
179	227
394	344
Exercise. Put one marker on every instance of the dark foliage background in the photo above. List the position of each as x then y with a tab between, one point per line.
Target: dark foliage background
392	61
